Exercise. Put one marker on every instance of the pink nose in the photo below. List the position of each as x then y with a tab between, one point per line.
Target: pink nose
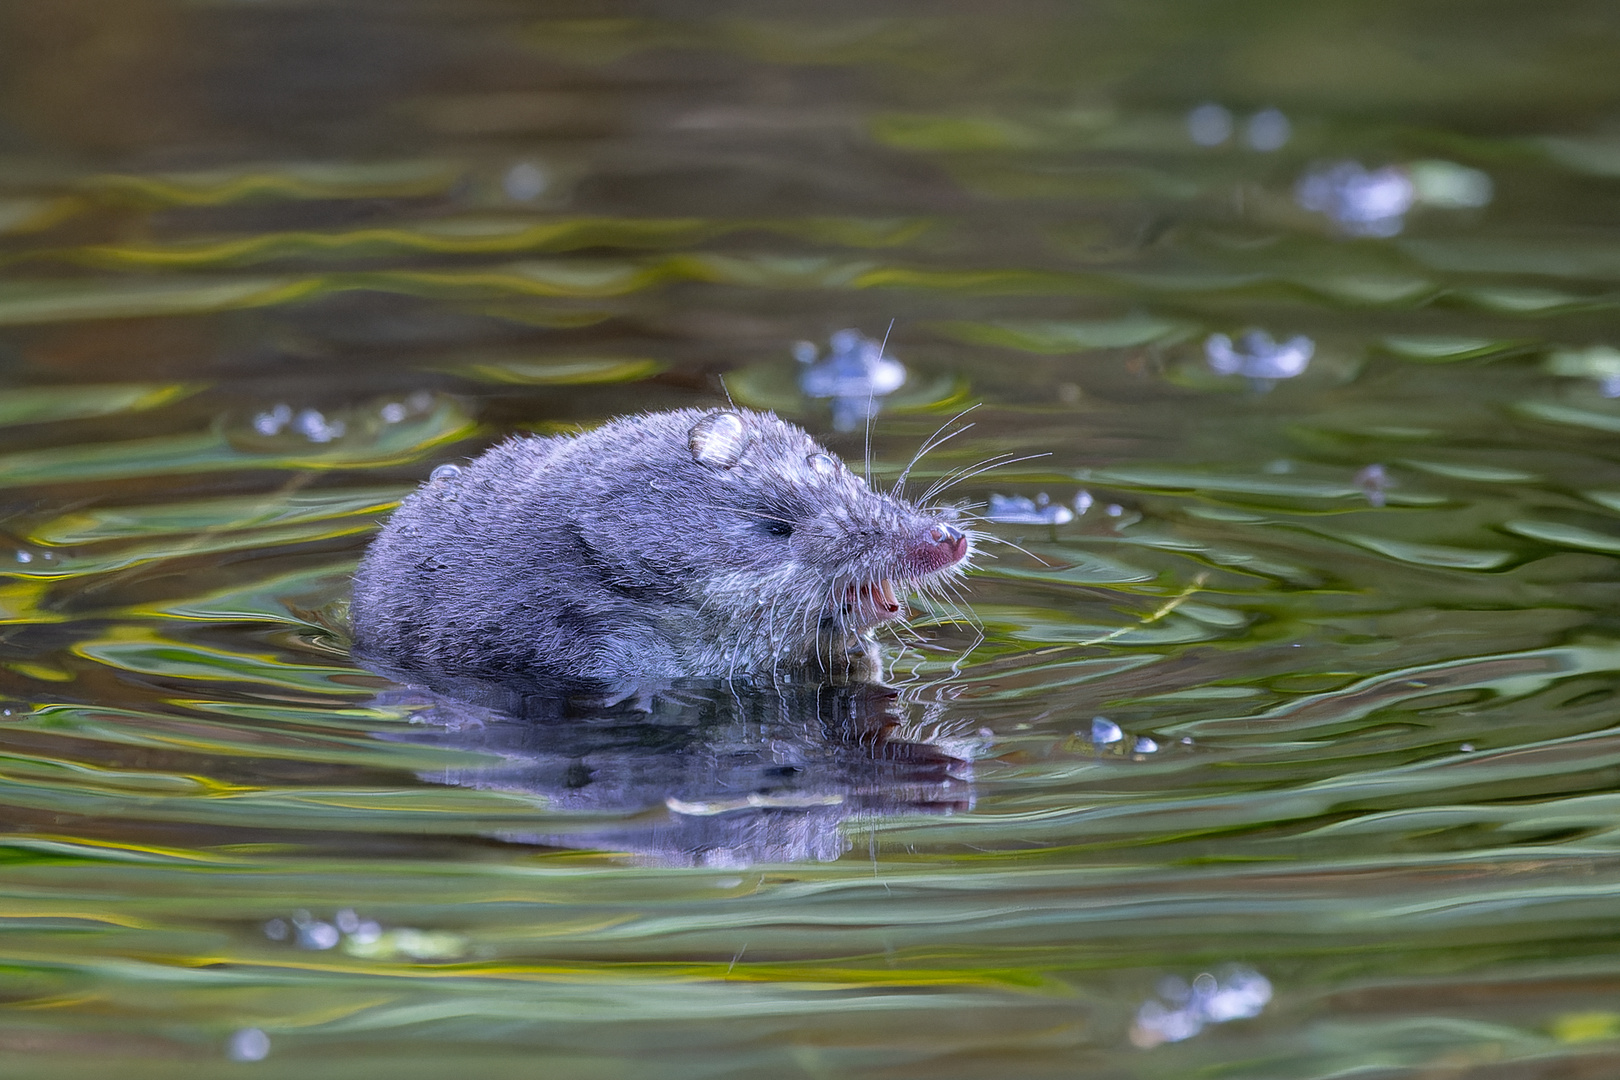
951	540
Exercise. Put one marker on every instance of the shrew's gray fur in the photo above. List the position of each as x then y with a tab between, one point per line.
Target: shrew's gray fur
687	543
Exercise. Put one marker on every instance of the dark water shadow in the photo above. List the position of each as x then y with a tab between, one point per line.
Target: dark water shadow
702	773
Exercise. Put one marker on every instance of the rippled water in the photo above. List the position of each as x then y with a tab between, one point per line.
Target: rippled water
1287	748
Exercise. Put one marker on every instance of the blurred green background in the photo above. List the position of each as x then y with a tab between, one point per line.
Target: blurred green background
1289	750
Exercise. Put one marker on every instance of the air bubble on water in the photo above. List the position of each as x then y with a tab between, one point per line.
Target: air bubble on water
248	1044
393	412
317	935
1019	510
856	374
445	472
525	182
1181	1010
1145	745
276	929
1361	201
272	421
1209	124
316	428
1258	356
1372	481
1104	731
1268	130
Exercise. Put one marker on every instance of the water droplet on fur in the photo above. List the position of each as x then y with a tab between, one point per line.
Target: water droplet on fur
445	472
823	464
1105	731
718	440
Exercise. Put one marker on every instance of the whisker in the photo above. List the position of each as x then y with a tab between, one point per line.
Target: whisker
930	443
950	477
977	471
1002	540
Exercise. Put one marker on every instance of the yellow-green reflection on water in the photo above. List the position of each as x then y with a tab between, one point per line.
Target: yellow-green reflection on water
1313	679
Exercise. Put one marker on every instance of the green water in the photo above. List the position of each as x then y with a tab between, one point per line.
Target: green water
1368	750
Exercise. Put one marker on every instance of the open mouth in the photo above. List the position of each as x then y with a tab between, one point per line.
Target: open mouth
873	601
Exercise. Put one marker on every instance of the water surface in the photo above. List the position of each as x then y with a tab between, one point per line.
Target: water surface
1286	749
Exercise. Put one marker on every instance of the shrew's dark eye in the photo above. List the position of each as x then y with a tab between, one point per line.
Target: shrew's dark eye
784	529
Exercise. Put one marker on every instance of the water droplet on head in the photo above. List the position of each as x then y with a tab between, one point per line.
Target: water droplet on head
718	440
445	472
823	464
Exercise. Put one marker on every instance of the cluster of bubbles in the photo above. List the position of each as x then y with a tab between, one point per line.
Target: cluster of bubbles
1361	201
1104	732
1041	510
1375	202
308	932
312	424
856	374
1259	357
1181	1009
1211	125
364	937
317	427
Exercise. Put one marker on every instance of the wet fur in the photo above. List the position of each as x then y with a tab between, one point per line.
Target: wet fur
615	557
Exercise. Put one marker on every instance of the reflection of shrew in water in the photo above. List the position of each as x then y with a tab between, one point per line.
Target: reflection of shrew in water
711	776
